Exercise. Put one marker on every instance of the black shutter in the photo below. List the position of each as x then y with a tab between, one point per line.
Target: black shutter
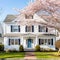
26	29
19	28
39	28
46	29
39	41
51	41
9	42
11	28
32	28
19	41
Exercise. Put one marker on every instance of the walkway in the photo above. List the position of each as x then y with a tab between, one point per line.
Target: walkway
30	56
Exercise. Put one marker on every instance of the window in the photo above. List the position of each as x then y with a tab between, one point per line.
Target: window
32	28
45	41
39	28
29	29
29	17
46	29
11	41
49	41
41	41
15	28
14	41
42	29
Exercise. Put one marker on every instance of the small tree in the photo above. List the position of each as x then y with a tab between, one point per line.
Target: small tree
21	49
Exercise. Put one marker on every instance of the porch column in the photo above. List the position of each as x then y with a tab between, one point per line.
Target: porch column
36	42
22	41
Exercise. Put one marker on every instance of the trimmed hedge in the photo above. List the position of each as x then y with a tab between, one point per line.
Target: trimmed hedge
21	49
37	48
1	47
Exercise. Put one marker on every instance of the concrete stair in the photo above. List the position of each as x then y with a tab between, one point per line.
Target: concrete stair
28	49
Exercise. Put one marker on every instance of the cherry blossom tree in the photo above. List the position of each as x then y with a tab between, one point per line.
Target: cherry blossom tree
51	10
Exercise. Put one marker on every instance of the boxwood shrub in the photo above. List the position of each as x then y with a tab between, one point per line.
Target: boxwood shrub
1	47
37	48
21	48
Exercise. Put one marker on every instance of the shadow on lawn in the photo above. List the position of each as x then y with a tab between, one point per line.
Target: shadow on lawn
36	59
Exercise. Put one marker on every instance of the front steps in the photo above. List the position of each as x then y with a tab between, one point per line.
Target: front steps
29	49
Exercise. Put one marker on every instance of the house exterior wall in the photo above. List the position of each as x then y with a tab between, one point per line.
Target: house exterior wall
24	36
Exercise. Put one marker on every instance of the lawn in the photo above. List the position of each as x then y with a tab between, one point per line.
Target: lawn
46	54
12	54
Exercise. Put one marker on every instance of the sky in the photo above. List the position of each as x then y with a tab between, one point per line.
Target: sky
6	7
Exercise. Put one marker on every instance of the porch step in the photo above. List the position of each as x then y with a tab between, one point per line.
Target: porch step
29	49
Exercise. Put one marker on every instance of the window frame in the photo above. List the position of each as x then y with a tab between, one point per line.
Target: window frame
15	28
14	41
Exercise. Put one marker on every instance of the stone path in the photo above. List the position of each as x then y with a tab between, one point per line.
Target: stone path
30	56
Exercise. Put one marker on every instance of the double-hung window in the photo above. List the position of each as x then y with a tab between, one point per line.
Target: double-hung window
15	28
29	28
13	41
42	29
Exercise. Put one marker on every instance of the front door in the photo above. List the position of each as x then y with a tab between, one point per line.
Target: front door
29	45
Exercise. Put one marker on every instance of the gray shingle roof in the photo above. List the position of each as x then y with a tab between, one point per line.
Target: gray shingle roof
10	18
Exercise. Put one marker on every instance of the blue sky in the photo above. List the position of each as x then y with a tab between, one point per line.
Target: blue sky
6	7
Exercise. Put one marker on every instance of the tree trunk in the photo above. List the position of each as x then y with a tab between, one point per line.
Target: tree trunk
59	51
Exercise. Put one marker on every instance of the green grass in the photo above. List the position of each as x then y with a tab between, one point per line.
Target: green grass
12	54
46	54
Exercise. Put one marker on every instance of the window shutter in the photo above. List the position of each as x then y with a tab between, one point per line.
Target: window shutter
46	29
51	41
39	28
11	28
9	42
39	41
19	28
26	29
32	28
19	41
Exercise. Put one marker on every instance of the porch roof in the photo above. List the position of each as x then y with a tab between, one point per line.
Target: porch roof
26	34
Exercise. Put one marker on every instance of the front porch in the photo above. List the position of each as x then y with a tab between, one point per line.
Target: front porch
29	41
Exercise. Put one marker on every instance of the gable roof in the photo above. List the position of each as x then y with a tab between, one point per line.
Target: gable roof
10	18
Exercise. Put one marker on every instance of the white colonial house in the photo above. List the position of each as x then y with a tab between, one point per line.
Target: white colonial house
28	36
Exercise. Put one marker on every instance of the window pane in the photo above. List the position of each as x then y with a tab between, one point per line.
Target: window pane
45	41
28	28
41	41
15	28
49	41
11	41
16	41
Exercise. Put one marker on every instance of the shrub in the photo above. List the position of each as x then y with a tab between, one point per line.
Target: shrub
8	50
47	50
21	49
37	48
1	47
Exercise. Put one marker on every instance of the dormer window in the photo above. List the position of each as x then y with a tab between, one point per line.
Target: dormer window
29	17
